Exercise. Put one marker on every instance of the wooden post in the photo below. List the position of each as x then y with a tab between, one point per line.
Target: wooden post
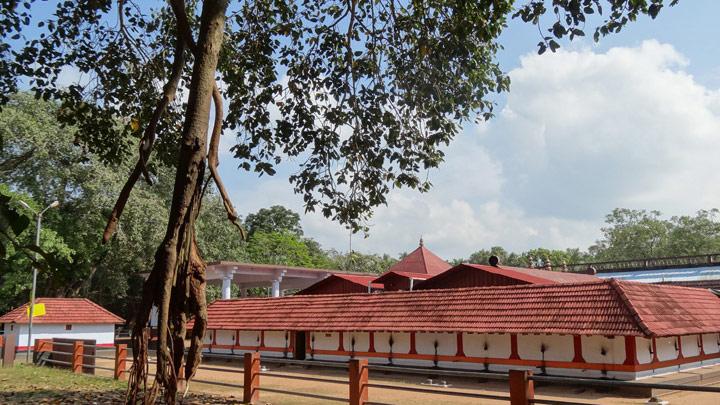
522	390
251	372
8	352
77	357
41	346
120	358
358	381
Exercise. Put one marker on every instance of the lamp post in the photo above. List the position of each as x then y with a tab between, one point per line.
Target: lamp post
38	223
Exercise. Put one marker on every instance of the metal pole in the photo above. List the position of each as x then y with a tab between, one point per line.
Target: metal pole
34	283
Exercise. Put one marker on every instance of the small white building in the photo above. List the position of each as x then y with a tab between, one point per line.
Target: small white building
69	318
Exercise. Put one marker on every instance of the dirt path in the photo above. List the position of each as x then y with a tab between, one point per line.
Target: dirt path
226	378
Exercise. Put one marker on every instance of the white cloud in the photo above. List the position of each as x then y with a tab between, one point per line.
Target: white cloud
581	133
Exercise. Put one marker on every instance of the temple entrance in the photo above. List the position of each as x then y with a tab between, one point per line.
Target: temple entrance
300	344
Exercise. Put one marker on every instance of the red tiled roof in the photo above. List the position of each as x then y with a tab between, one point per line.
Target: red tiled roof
523	275
603	307
390	274
362	280
328	285
420	260
64	310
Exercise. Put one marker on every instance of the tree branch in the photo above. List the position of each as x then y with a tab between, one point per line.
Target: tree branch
213	160
11	163
148	139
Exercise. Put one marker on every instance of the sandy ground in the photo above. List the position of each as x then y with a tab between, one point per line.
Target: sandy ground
226	378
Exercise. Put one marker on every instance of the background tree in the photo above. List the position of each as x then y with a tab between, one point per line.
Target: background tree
361	263
274	219
372	90
632	234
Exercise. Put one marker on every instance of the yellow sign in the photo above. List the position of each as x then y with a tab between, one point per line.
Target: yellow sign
38	310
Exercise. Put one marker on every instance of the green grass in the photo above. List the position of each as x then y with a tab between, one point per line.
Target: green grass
32	384
28	384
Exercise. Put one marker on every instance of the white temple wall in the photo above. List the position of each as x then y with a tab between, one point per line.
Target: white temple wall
325	340
487	345
690	345
401	342
249	338
362	341
225	337
276	338
557	347
711	343
644	350
667	348
446	343
603	349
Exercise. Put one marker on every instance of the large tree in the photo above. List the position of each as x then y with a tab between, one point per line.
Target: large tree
362	93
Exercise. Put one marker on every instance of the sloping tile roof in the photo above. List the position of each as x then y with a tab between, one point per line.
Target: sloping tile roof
604	307
669	310
357	279
403	274
420	260
326	285
459	276
64	311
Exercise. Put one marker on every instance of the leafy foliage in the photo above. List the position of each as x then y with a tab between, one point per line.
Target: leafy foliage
274	219
638	234
359	262
569	17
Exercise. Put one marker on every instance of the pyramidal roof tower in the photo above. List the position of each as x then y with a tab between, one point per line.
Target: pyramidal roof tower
422	261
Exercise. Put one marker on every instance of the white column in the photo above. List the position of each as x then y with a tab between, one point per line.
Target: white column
276	288
226	288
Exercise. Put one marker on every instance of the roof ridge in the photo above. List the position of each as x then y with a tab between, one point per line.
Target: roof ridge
620	291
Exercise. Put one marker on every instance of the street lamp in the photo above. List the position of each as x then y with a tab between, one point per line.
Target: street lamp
34	283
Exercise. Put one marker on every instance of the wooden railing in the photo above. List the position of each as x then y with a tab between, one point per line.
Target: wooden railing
520	382
45	347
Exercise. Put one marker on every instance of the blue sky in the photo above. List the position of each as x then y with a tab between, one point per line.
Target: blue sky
631	122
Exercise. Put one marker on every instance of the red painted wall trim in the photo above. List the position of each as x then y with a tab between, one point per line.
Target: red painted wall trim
514	347
630	351
342	342
413	350
262	338
577	348
655	356
371	337
214	336
678	340
513	362
460	349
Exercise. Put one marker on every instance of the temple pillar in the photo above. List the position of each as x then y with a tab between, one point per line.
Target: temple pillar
226	287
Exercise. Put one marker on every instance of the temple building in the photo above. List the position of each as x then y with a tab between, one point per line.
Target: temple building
419	265
591	328
481	275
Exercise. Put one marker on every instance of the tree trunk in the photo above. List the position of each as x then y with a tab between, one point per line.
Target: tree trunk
176	284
